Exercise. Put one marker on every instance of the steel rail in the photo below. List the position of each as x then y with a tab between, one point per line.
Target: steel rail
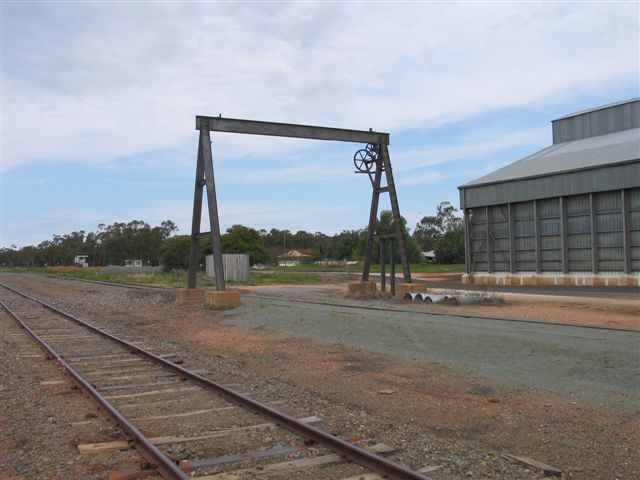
356	454
166	467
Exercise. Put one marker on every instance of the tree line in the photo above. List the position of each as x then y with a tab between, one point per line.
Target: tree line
159	245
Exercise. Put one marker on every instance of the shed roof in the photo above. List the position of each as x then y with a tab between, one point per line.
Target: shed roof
294	254
593	152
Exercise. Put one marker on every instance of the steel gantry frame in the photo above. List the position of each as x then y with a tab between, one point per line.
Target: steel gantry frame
205	178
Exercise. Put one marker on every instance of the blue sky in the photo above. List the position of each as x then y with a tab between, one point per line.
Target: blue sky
99	102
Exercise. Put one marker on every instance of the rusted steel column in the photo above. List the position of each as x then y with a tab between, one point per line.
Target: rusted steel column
195	222
395	209
373	216
392	267
214	222
382	272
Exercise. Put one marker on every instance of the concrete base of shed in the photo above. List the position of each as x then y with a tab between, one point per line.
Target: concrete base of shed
576	280
403	288
189	296
222	300
363	289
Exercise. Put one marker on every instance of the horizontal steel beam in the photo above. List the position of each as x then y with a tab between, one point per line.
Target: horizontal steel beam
252	127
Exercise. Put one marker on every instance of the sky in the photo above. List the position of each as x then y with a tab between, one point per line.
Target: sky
98	103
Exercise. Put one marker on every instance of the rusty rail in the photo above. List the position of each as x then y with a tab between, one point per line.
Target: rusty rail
352	452
166	467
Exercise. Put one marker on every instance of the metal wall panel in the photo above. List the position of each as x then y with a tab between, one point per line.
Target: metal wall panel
499	234
478	240
578	211
525	237
550	239
598	122
609	233
608	219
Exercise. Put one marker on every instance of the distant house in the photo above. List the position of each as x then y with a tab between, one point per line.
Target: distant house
81	261
292	258
429	256
132	263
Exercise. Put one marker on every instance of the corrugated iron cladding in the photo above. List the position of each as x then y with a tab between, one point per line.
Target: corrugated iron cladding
614	177
597	232
591	123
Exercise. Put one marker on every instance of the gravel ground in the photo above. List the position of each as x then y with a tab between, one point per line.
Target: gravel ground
38	438
583	364
400	400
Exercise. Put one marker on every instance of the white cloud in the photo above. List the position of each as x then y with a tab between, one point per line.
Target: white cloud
253	214
475	148
295	174
420	178
90	82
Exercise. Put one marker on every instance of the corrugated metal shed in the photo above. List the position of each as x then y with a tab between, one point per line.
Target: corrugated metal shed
569	210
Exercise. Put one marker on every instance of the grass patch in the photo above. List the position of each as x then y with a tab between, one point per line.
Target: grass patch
173	279
266	278
414	267
177	278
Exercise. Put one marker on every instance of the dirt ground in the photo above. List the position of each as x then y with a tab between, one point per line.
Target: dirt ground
585	440
588	441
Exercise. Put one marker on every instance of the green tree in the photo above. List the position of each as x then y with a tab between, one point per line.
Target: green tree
344	245
174	252
241	239
449	247
384	224
136	239
430	228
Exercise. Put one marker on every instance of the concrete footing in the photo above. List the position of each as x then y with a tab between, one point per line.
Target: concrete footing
189	296
404	288
363	289
577	280
222	300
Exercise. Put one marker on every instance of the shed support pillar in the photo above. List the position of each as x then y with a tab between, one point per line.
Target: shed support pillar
594	233
536	228
467	241
626	232
511	211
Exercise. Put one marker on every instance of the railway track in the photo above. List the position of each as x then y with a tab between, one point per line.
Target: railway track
184	424
275	298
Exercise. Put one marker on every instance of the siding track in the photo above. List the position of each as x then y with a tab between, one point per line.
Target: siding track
275	298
